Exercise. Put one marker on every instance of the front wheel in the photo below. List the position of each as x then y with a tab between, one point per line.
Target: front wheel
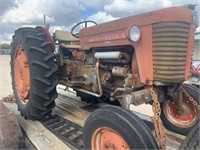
112	127
182	122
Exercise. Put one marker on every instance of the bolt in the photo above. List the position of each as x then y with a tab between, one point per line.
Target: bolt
124	146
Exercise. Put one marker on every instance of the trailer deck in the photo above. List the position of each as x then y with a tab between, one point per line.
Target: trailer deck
63	130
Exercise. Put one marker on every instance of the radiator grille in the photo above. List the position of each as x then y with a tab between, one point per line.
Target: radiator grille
169	51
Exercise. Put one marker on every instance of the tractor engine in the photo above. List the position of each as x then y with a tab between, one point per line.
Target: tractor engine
100	72
120	60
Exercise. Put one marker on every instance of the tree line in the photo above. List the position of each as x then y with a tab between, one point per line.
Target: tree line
5	46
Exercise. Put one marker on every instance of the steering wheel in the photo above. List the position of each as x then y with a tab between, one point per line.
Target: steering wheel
85	26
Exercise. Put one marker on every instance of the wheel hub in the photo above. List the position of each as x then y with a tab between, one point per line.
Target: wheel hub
185	118
106	138
22	74
185	109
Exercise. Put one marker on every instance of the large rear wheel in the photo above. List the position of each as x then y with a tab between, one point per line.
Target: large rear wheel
181	122
112	127
33	72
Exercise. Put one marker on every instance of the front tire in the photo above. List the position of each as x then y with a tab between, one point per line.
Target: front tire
112	127
181	123
33	72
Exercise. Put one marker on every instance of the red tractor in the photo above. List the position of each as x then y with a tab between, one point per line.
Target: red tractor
134	60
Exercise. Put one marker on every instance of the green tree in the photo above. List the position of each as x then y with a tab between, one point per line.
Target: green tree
4	46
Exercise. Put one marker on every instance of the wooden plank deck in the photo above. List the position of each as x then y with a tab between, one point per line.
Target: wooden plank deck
68	106
40	137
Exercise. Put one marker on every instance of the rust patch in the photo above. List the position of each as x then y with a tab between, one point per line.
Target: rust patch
80	55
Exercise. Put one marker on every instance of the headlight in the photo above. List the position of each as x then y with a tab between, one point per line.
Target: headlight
134	33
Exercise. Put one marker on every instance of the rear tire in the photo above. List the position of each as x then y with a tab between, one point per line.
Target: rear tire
118	125
40	77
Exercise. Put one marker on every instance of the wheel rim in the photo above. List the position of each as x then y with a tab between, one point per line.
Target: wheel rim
22	74
106	138
186	119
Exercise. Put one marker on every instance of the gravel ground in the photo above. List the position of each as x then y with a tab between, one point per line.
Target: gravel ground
5	78
6	88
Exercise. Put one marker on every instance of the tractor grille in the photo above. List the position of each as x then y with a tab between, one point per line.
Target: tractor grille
169	51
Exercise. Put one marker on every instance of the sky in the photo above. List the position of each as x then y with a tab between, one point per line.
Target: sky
64	14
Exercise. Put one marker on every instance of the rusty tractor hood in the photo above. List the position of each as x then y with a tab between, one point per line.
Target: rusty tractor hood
109	33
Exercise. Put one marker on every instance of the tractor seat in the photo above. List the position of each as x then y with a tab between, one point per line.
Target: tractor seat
66	37
70	46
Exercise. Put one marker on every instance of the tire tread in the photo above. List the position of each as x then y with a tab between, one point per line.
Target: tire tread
42	72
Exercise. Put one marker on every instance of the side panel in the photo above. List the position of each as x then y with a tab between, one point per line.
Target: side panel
143	51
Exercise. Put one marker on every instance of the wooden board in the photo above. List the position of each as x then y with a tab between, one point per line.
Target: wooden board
37	133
